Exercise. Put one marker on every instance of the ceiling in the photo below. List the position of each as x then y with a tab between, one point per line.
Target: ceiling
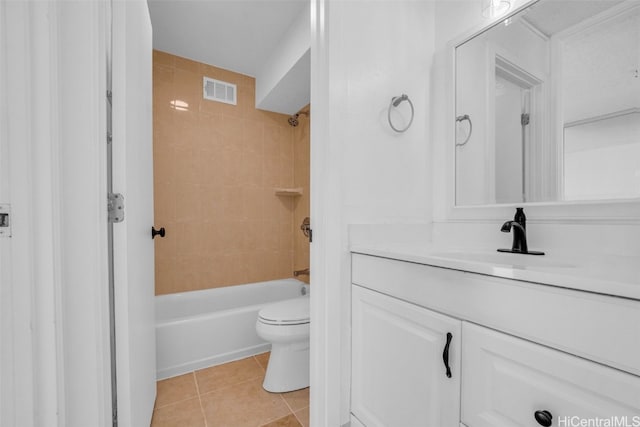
551	17
237	35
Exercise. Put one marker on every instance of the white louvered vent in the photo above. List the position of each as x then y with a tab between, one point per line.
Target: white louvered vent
216	90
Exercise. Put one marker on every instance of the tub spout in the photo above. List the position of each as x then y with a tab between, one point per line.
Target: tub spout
304	271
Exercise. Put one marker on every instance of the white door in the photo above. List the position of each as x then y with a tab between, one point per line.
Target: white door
399	377
509	140
133	247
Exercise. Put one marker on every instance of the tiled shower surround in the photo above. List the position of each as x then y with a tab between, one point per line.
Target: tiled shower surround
216	168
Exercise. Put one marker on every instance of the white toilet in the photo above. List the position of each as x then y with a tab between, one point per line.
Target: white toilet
285	325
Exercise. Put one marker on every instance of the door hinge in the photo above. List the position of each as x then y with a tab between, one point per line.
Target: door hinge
115	206
109	96
524	119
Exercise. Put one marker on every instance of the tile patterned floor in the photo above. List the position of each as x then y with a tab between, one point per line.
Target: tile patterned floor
229	395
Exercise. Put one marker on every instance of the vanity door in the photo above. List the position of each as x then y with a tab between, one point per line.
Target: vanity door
510	382
405	363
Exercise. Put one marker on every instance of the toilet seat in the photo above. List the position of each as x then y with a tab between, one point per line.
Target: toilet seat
293	311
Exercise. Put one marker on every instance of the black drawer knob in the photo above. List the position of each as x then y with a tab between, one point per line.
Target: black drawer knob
155	232
544	418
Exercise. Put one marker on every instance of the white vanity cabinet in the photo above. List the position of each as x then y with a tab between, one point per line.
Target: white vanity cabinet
522	354
406	363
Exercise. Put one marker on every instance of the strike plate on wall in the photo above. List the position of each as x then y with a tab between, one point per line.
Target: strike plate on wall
5	220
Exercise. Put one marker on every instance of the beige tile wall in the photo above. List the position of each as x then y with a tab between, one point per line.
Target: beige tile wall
301	178
215	170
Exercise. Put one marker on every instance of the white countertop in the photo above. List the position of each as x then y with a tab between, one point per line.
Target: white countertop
609	275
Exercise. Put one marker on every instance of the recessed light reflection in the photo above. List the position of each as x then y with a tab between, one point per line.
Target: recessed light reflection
179	105
495	8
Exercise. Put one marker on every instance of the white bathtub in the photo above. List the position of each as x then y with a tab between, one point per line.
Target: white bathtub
198	329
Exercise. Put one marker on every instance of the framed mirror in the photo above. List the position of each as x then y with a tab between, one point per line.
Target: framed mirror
547	106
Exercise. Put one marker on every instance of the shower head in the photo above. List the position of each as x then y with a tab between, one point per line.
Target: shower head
293	120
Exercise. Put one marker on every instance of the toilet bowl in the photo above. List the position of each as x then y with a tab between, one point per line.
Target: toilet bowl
285	325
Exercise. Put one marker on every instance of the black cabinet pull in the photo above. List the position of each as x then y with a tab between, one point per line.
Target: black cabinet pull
155	232
445	354
544	418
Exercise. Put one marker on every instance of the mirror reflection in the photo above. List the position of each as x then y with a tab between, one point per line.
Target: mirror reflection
548	105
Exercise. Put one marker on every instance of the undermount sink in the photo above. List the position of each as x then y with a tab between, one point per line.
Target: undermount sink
521	261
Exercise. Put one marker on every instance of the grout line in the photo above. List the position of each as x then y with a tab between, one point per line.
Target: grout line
173	402
279	418
286	403
232	385
270	420
261	375
294	412
204	417
298	419
195	380
255	359
264	368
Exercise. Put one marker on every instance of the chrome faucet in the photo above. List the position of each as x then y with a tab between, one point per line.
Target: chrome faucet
519	227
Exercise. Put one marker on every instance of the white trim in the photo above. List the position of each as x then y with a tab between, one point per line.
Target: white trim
600	117
7	395
489	140
46	216
529	26
556	118
18	400
328	252
319	126
54	367
83	226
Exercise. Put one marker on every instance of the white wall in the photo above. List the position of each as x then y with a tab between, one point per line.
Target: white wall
508	142
602	159
363	54
598	69
474	174
282	84
454	19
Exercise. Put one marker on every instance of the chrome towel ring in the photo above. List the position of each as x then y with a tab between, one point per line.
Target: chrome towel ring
461	119
395	101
